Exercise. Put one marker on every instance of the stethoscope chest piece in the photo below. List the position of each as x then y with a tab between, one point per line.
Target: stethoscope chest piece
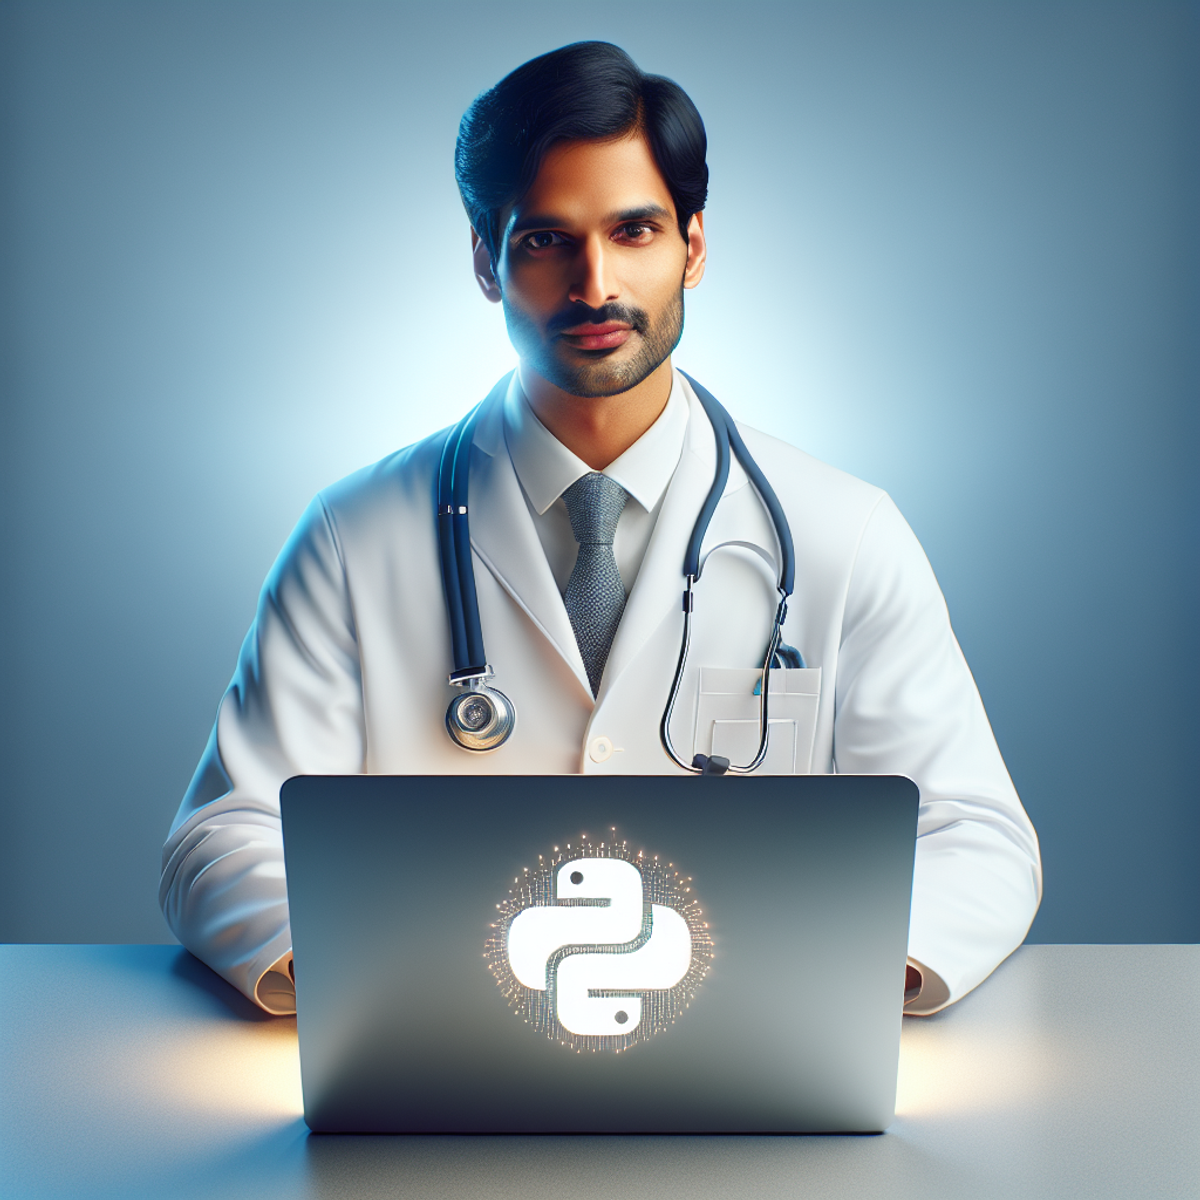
480	719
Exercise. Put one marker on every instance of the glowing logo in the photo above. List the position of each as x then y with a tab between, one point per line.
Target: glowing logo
599	946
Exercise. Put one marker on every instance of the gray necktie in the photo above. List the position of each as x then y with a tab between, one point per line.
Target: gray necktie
595	596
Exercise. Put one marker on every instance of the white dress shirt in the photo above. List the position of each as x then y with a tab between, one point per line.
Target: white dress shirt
546	468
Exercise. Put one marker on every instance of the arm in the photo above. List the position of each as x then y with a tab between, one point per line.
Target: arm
906	704
294	707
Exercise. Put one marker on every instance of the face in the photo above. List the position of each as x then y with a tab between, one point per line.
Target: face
591	268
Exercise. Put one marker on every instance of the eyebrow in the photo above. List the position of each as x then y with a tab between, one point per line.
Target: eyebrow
642	212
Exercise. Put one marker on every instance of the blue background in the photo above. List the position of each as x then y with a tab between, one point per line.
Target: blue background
953	250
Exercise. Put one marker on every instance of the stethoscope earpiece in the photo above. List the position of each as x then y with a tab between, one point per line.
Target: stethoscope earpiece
481	719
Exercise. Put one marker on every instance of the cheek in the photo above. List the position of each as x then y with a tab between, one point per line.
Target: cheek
522	330
534	287
664	297
657	278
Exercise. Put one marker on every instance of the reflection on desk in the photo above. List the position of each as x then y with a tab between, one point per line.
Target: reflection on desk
131	1071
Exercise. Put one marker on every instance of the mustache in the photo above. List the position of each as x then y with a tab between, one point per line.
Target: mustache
582	314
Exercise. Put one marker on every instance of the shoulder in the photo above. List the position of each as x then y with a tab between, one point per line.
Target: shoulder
401	479
844	527
815	495
392	498
789	468
403	483
852	531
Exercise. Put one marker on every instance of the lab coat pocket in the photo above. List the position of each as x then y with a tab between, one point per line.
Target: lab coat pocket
727	717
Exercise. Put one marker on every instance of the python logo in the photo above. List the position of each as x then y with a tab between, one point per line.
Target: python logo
599	946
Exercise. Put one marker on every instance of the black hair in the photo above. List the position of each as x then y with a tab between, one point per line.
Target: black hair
587	90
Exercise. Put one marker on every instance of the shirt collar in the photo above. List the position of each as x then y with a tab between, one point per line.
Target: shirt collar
546	468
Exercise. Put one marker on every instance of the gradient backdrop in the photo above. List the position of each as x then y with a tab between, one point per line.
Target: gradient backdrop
953	250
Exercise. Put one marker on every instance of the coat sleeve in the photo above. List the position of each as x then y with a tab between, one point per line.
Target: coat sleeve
294	707
906	704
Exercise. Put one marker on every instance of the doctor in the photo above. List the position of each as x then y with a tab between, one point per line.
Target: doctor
584	180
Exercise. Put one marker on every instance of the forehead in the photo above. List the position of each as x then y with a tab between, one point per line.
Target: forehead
581	182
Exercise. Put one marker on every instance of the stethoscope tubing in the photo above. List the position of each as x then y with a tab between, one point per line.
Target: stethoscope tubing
458	574
454	544
728	438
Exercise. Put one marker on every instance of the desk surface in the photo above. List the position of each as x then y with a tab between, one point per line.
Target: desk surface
131	1071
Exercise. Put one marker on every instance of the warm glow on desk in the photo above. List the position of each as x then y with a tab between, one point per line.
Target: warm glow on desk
250	1070
951	1071
139	1071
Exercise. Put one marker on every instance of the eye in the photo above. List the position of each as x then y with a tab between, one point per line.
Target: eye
542	239
636	231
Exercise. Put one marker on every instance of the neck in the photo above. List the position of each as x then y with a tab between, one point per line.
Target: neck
598	429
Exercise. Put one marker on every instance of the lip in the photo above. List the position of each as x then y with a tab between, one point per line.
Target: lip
597	337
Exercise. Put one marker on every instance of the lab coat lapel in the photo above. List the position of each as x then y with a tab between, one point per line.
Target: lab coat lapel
504	537
659	585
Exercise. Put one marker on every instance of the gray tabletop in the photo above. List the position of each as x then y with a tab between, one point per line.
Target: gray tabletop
133	1071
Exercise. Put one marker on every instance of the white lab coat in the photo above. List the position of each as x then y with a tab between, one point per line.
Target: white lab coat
344	671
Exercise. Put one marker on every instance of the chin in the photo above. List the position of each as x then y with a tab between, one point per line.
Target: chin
603	377
597	384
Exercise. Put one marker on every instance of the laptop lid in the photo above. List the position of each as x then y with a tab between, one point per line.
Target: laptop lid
620	954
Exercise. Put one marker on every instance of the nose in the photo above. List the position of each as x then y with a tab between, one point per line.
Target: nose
593	283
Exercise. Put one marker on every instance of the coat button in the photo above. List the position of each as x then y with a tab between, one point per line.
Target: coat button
600	750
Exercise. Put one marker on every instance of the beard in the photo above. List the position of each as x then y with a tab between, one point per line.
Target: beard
601	372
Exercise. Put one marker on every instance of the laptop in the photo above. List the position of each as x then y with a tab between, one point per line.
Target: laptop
628	954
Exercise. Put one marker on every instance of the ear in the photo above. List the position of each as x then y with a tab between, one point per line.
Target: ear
485	276
697	251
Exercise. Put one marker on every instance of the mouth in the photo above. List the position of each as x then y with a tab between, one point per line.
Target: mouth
607	336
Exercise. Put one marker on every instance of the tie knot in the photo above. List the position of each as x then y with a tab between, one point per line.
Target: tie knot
594	504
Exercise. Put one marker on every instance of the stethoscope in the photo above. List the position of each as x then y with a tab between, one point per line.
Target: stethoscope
481	718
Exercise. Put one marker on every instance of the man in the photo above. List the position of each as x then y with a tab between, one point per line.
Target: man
585	181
